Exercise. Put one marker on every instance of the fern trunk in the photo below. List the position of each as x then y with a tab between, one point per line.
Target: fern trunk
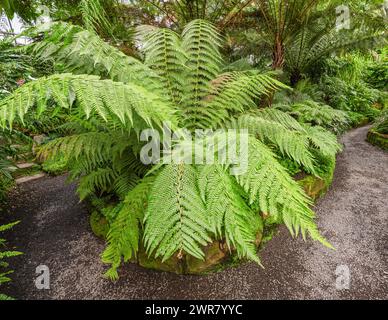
278	54
295	77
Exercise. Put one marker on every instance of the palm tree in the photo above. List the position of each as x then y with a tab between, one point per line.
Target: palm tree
319	37
281	20
300	33
172	209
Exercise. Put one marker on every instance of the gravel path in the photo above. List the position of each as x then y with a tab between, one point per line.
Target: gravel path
353	215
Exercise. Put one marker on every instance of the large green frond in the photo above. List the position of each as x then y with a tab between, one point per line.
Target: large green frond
201	42
83	52
94	15
270	187
176	219
129	104
324	141
124	232
234	220
164	54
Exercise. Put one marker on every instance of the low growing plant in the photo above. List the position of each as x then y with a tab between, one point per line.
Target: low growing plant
4	255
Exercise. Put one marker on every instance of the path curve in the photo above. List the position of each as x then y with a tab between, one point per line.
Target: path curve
353	216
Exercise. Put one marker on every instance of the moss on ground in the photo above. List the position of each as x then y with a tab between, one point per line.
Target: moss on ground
55	167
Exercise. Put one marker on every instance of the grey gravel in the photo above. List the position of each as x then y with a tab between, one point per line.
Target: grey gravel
353	216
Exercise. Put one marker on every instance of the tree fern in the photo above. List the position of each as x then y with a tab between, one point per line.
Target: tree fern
171	209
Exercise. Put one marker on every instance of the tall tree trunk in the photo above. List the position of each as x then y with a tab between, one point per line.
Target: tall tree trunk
278	54
277	64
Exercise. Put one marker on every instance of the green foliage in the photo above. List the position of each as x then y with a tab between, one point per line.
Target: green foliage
381	124
317	40
377	75
313	113
124	233
55	166
345	87
176	209
79	51
291	166
24	8
344	96
94	15
17	68
357	119
8	153
4	255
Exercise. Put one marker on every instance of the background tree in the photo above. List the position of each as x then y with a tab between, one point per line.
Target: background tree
25	9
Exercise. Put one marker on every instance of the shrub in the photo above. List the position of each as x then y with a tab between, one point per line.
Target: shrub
344	96
4	275
317	114
377	75
381	124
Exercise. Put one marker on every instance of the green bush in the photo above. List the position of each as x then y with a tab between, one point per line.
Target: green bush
4	255
55	166
381	124
357	119
350	97
377	75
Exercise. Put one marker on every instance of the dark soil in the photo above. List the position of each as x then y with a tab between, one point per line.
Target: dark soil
54	231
